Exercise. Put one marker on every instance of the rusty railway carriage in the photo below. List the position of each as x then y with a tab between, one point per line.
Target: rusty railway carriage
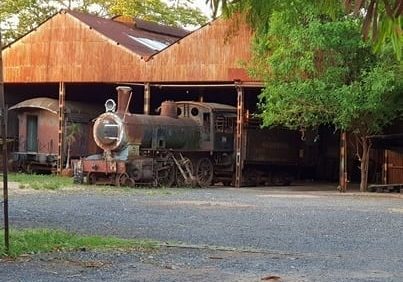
189	143
38	125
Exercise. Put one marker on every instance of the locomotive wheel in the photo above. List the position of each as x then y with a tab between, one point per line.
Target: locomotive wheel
124	180
204	172
28	169
166	172
91	178
180	180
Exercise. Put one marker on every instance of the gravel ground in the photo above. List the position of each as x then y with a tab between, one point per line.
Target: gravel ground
221	234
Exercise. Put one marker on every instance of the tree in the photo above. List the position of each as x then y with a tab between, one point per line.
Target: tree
178	14
320	71
382	17
73	131
17	17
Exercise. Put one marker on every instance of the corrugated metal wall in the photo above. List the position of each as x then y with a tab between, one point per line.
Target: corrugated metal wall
394	167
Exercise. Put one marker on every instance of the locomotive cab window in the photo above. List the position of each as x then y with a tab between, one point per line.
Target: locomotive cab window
194	111
224	124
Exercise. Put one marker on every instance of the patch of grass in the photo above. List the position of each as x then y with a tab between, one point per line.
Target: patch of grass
138	190
38	182
34	241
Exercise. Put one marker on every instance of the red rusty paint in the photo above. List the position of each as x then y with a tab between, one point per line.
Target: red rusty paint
104	166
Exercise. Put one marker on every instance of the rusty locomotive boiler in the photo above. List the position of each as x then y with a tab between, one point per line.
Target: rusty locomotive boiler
189	143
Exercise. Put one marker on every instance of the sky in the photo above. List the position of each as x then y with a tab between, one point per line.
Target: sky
201	4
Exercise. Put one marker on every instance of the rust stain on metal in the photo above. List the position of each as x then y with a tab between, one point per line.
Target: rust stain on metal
77	44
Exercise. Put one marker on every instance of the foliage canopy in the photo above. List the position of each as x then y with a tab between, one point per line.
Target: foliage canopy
318	70
321	71
380	20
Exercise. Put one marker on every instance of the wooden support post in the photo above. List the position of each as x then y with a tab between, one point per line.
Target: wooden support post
147	98
3	130
385	167
60	153
343	162
239	156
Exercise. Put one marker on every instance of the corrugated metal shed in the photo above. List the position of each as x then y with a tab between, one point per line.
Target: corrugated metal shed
75	47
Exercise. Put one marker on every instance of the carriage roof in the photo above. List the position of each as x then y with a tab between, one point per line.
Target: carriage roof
52	105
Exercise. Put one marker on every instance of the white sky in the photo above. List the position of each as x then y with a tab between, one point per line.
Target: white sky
201	4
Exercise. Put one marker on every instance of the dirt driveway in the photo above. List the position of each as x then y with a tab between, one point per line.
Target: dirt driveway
221	234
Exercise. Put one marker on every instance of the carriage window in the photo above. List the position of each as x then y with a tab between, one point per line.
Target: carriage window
194	111
178	111
32	133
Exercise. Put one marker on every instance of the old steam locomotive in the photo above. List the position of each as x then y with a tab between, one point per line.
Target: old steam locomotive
189	143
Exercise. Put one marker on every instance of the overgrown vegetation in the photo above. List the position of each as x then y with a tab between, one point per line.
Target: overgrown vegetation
38	182
318	70
35	241
321	72
380	20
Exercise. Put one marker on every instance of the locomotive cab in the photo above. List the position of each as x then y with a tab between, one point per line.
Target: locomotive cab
217	123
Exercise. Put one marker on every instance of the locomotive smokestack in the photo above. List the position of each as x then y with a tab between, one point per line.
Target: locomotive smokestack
124	95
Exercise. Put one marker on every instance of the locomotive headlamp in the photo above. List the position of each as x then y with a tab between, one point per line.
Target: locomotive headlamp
108	131
110	106
111	131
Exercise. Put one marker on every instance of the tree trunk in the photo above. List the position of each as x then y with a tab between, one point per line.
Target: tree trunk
364	164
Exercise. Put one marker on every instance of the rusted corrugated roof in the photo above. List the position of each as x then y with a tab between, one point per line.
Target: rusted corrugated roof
52	105
143	38
161	29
